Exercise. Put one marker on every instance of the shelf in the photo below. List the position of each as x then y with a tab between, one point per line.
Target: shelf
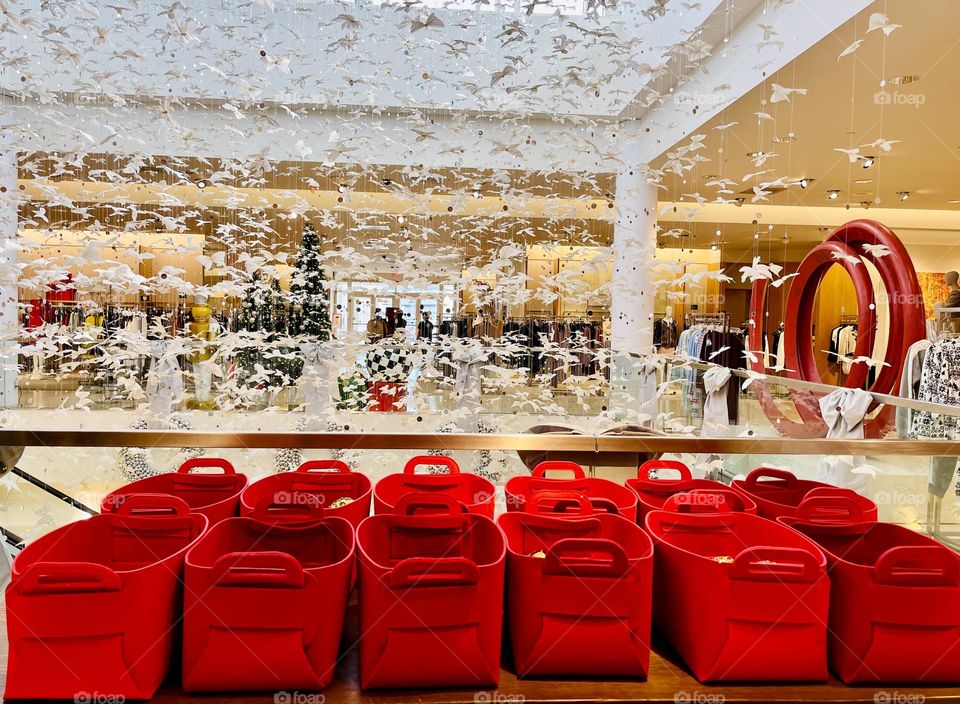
668	682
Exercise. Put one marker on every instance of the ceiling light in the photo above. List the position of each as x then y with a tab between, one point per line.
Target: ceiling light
861	181
754	155
201	184
788	139
719	233
903	80
342	188
804	182
833	194
868	161
400	219
955	201
714	246
903	195
387	182
710	177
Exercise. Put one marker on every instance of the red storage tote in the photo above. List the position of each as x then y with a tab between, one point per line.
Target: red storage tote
265	600
894	597
740	598
782	493
578	593
603	493
314	488
216	496
652	493
431	596
471	490
91	606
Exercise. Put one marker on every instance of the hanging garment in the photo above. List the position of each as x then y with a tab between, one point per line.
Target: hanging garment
939	383
647	394
847	346
316	380
716	416
910	383
781	349
843	412
165	381
469	358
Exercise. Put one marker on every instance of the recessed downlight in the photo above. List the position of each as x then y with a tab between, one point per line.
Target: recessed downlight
785	139
833	194
862	181
904	80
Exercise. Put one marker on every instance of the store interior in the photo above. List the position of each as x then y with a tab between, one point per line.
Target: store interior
706	221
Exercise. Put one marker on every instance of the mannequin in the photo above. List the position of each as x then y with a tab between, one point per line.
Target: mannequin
425	327
952	279
668	314
667	338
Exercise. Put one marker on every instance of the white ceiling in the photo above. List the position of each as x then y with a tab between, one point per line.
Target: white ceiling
840	111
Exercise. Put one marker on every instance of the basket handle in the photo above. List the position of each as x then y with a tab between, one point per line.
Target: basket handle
534	504
152	505
421	460
704	501
561	465
198	462
775	564
68	578
433	572
436	502
643	472
829	508
751	481
324	465
288	505
586	557
257	569
918	566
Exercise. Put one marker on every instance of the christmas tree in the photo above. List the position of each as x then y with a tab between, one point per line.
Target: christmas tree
308	291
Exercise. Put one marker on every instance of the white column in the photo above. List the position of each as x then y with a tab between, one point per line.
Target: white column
634	246
9	322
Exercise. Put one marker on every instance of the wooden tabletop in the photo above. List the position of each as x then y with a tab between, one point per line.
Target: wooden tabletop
668	681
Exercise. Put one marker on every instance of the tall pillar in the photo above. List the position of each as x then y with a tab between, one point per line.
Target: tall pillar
9	320
634	246
633	380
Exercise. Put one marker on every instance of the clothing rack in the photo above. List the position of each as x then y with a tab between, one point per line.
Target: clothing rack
721	319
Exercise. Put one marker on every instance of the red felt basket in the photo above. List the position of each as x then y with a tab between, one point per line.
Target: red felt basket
216	496
431	596
782	493
582	609
315	488
471	490
652	493
603	493
894	596
265	600
91	606
739	597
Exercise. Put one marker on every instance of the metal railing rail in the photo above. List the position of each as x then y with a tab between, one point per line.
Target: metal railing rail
475	441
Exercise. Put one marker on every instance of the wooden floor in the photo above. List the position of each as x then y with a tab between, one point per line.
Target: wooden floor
668	682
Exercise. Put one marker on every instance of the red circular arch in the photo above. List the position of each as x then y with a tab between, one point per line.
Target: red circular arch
906	322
